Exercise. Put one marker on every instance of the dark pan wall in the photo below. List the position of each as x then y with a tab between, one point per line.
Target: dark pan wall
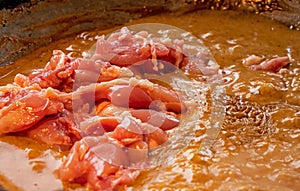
9	4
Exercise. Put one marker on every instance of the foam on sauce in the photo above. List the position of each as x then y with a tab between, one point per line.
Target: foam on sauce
259	144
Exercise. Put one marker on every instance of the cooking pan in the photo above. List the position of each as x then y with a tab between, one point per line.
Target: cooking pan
27	25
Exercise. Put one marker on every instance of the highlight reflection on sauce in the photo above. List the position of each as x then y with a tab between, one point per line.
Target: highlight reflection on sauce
28	172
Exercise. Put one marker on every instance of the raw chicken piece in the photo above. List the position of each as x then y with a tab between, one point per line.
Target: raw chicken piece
59	130
133	93
26	111
274	64
88	164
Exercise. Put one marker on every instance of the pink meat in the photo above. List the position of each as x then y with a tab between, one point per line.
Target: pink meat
125	48
12	92
200	63
23	113
8	93
58	130
154	136
121	93
58	70
122	48
107	151
127	132
61	72
88	164
114	159
165	121
274	64
97	126
129	96
90	71
21	108
156	118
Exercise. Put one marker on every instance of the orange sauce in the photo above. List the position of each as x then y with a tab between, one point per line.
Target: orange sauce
258	145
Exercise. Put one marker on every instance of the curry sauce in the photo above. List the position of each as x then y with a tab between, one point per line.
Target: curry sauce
258	144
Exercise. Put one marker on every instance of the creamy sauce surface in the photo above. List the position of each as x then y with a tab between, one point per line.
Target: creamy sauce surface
257	147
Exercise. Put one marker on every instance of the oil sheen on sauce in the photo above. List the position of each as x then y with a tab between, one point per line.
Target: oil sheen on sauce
257	147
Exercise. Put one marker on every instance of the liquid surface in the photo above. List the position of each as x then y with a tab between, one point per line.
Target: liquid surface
257	147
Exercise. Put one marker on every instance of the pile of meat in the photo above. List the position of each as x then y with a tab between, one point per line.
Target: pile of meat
99	108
